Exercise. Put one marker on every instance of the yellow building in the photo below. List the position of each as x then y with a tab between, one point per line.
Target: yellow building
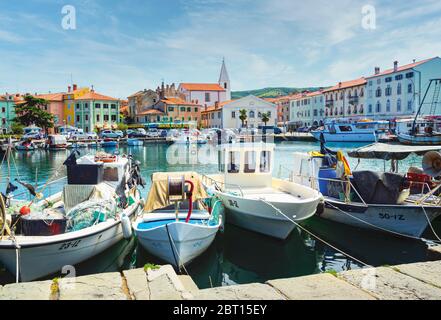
69	103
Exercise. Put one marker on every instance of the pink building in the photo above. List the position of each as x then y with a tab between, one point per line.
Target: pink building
56	106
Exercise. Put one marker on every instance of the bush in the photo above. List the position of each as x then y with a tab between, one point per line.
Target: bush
122	126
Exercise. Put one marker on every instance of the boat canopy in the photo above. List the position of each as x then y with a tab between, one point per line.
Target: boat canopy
385	151
158	196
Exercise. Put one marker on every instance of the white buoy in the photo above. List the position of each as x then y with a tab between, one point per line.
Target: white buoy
126	227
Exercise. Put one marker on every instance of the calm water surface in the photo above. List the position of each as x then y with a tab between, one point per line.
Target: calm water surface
237	256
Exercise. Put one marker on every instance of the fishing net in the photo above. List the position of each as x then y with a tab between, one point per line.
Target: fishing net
90	213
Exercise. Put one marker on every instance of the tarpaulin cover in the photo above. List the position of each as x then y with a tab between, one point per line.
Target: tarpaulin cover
378	187
158	195
390	151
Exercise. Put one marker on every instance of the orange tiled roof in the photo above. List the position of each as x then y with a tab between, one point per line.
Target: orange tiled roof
150	111
347	84
177	101
96	96
402	68
202	87
51	96
219	107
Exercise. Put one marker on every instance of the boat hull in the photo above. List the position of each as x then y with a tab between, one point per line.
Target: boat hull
346	137
419	140
262	218
399	219
43	256
177	243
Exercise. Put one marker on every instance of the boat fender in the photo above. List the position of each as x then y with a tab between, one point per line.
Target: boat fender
126	227
320	209
25	210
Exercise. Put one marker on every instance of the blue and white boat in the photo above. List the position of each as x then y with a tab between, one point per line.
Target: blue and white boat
109	143
134	142
343	130
179	225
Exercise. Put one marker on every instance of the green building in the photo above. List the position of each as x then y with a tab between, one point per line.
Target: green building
96	111
7	112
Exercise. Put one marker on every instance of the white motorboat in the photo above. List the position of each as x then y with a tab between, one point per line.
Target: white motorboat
192	136
88	216
399	204
181	232
342	130
253	199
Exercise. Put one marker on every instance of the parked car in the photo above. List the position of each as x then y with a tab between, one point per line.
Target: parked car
138	133
270	129
78	135
153	133
33	136
112	134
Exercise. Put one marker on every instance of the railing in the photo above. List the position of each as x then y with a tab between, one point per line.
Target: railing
353	99
216	184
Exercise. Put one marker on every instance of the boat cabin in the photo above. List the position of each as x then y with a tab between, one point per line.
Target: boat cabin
247	164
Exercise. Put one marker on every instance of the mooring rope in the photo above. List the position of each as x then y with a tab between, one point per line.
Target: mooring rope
315	236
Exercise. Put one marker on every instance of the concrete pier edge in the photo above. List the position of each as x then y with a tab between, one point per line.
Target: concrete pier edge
417	281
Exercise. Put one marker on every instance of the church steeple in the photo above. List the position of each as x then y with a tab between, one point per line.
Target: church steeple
224	80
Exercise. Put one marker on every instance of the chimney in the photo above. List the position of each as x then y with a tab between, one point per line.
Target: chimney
377	70
339	84
395	66
68	89
75	87
216	104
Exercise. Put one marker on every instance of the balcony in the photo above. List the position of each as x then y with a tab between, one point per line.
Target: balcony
329	103
353	100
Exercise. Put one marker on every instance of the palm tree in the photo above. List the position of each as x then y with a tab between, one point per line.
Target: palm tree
266	117
243	116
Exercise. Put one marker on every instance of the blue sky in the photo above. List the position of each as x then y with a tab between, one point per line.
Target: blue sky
127	45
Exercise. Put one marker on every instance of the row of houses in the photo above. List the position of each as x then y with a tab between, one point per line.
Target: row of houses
207	105
79	107
391	94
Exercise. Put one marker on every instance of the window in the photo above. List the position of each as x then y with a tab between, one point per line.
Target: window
113	106
399	89
388	91
370	83
268	114
196	109
409	105
250	162
265	161
68	106
78	118
182	109
233	114
378	92
315	113
106	117
409	75
86	117
388	106
233	162
399	105
113	117
378	109
171	109
345	128
388	79
105	106
98	118
399	77
3	109
252	114
97	105
69	118
409	88
188	109
219	115
86	106
370	94
207	97
370	108
78	106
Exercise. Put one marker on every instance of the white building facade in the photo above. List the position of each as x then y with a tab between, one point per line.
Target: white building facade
307	109
398	92
227	115
346	100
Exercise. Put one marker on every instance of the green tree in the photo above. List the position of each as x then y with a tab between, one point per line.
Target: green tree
122	126
266	117
31	112
17	128
243	116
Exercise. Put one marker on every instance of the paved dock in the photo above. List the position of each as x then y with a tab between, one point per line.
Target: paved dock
419	281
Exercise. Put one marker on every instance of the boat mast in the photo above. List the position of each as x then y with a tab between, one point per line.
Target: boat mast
421	104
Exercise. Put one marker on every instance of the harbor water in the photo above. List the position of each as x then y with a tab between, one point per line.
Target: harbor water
237	256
